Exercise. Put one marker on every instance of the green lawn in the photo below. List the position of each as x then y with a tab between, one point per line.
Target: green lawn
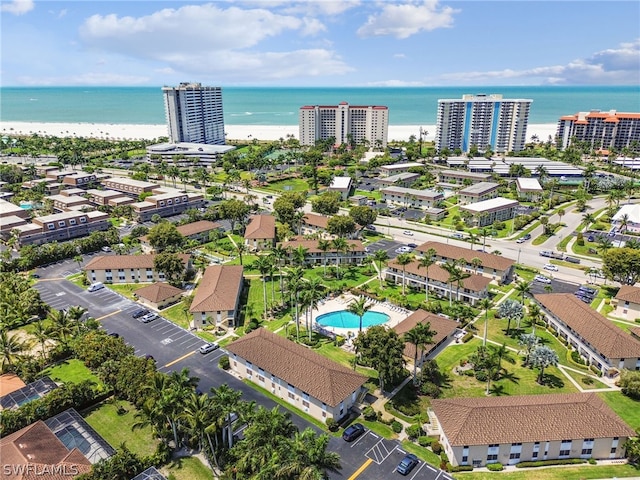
289	185
578	377
627	408
71	371
351	276
585	472
116	429
190	468
127	289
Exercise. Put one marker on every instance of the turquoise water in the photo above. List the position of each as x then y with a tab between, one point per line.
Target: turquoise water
280	105
345	319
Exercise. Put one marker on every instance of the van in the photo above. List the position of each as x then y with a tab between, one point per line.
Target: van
95	286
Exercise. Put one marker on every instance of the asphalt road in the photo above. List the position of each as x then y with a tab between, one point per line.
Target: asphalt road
174	348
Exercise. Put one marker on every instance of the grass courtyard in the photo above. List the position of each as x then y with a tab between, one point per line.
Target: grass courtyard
71	371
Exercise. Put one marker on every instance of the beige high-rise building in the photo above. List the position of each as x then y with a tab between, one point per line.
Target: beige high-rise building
606	130
346	123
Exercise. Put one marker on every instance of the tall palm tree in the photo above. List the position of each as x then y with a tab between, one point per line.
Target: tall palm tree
419	336
359	308
381	257
241	248
425	262
227	400
522	288
62	327
453	270
535	314
460	277
12	349
308	457
299	255
476	263
294	285
403	260
314	292
486	305
41	333
340	245
280	255
197	415
324	246
263	265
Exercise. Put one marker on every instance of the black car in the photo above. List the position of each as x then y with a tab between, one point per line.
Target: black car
352	432
140	313
114	335
412	245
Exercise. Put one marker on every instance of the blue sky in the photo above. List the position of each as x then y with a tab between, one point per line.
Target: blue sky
320	43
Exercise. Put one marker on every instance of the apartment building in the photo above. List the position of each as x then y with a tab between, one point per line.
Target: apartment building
478	192
486	212
67	203
80	179
345	123
411	197
314	255
217	298
513	429
260	233
194	113
461	177
397	168
185	153
444	330
341	185
173	202
60	227
127	268
405	179
529	189
627	302
199	231
129	186
482	121
307	380
109	198
600	130
596	338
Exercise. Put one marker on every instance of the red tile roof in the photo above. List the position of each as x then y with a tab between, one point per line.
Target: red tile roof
443	327
475	283
312	245
629	293
299	366
261	226
104	262
218	289
157	292
527	418
489	260
197	227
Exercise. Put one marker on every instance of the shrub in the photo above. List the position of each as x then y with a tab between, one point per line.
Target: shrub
580	239
481	376
467	337
425	441
592	461
430	389
587	380
436	447
396	426
370	414
414	431
224	363
460	468
544	463
332	425
595	370
495	467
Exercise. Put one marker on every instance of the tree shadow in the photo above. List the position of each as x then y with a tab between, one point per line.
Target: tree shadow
552	381
497	390
510	376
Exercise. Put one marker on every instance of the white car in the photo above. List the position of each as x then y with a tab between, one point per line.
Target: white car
209	347
408	233
541	279
403	249
552	268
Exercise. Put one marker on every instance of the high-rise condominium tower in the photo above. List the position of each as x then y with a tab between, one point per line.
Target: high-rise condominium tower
482	120
607	130
194	113
346	123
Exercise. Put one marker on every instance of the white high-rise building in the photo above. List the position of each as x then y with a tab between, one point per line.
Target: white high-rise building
482	120
194	114
606	130
346	123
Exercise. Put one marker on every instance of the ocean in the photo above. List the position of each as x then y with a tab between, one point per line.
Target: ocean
280	105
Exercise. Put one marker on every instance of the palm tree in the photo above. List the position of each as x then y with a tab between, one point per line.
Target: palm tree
340	245
299	255
561	212
485	304
314	291
425	262
324	246
542	357
604	244
263	265
529	341
381	257
308	458
511	310
294	284
452	269
473	239
476	263
359	308
12	349
197	415
403	260
280	255
535	314
241	248
42	333
523	288
419	336
226	400
62	327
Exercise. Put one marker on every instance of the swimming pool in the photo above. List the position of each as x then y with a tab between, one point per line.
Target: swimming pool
346	319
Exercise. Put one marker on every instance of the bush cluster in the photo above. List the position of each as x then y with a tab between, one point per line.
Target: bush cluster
224	363
436	447
425	441
460	468
545	463
495	467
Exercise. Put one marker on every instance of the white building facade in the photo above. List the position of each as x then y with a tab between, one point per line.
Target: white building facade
482	120
194	114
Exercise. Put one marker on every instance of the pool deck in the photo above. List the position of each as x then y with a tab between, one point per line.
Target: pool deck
396	314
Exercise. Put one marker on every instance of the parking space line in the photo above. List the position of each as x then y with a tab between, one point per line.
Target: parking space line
361	469
178	359
108	315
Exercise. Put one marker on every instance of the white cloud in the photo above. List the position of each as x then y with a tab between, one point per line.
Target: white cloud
399	55
18	7
407	19
617	66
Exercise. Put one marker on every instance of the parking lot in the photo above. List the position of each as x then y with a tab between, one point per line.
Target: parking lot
389	246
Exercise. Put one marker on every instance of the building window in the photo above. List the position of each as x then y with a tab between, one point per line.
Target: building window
51	226
62	224
492	458
514	456
83	219
564	453
534	455
465	459
586	451
72	221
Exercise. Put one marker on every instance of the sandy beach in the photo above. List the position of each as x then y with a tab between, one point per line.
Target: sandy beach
234	132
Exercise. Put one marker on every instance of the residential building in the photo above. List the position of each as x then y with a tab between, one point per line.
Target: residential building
598	341
109	198
355	253
483	121
405	179
260	233
158	295
80	179
528	189
9	383
61	226
599	130
129	186
627	303
347	124
411	197
314	224
495	267
435	213
185	153
305	379
486	212
173	202
471	290
444	330
127	268
513	429
342	185
49	185
502	166
199	231
627	219
65	203
462	177
217	298
194	113
8	209
397	168
33	391
478	192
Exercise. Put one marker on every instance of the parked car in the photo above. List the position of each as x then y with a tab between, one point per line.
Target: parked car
403	249
140	313
408	233
149	317
352	432
94	287
541	279
209	347
106	249
586	291
371	227
521	240
550	267
457	235
412	245
407	464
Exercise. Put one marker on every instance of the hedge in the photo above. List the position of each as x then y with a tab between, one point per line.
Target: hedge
467	337
495	467
460	468
545	463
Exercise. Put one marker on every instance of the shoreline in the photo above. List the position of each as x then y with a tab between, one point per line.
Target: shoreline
115	131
